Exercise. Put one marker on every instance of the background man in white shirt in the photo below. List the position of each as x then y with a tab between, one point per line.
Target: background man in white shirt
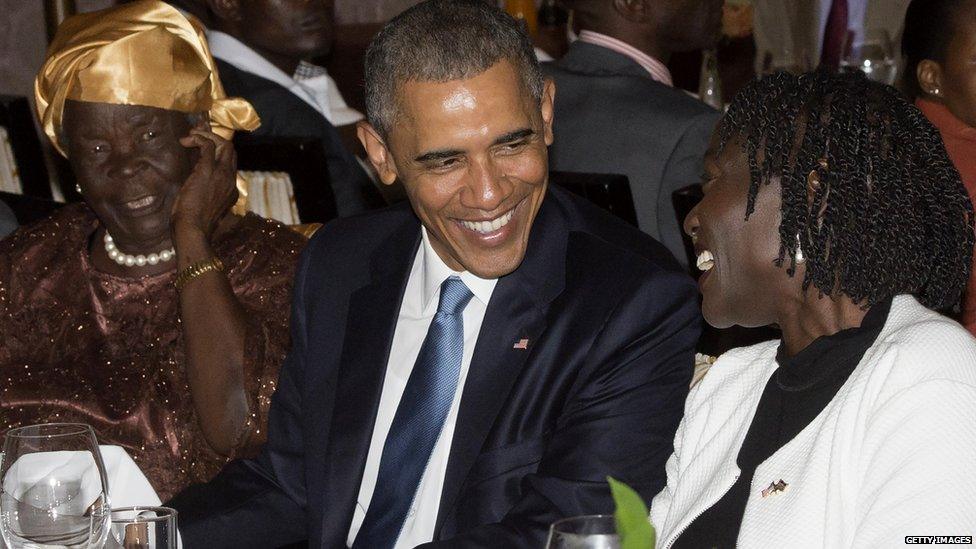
469	366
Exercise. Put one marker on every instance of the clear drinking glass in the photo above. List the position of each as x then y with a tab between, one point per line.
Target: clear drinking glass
143	528
53	488
870	51
785	58
586	532
709	82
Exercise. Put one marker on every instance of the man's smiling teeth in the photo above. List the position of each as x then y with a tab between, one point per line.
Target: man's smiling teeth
705	260
141	203
485	227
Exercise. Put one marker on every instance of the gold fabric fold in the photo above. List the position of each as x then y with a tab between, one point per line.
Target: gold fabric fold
142	53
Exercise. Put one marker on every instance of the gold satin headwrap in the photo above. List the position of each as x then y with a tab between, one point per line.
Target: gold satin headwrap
143	53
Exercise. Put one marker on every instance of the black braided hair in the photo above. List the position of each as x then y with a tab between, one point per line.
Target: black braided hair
868	191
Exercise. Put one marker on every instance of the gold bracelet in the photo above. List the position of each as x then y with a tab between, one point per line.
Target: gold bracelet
197	269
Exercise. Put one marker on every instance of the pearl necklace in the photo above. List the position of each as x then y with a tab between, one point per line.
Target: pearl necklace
140	260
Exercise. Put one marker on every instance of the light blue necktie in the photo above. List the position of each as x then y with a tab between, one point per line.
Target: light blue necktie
418	421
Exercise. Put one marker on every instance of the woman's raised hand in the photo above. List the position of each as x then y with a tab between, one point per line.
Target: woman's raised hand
210	190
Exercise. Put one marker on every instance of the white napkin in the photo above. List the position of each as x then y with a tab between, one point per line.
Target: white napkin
127	486
34	475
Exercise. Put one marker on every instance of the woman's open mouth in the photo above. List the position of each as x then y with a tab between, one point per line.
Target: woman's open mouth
140	203
143	205
705	261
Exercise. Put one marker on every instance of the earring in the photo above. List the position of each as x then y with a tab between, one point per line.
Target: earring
78	188
936	91
798	255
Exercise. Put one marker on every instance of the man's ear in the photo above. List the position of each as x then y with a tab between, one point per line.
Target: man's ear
548	109
225	10
929	75
377	151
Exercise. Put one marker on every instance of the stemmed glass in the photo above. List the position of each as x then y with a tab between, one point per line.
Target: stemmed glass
785	59
53	488
585	532
143	528
870	51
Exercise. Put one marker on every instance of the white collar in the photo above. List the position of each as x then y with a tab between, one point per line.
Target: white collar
321	92
231	50
658	70
435	272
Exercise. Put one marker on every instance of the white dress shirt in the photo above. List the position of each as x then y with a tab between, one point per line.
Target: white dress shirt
420	301
320	92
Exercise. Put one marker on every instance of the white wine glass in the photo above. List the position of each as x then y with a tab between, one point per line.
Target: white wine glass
871	52
143	528
585	532
53	488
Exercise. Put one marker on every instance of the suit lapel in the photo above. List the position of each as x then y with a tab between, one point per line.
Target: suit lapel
517	311
373	311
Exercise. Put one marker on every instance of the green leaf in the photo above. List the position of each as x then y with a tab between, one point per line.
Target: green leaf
631	516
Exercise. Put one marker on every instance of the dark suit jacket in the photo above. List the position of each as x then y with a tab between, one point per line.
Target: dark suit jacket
285	115
612	117
611	324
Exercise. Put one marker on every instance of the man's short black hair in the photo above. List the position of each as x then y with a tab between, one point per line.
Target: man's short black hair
439	41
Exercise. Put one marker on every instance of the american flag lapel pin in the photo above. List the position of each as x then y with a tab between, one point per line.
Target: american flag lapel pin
775	488
522	344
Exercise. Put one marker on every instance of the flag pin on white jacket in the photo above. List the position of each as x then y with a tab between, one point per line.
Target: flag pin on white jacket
775	488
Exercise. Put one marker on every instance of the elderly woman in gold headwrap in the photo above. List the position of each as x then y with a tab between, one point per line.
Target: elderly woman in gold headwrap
150	311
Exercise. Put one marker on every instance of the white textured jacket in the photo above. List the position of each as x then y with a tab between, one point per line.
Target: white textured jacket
892	455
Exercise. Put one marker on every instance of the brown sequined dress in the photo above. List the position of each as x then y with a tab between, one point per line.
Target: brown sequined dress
80	345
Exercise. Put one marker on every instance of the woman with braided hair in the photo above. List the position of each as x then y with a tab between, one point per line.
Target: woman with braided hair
832	211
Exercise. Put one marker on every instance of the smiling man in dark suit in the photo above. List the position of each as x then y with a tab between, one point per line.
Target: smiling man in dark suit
467	367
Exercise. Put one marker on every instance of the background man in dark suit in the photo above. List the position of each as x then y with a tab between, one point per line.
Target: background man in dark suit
469	366
617	111
262	49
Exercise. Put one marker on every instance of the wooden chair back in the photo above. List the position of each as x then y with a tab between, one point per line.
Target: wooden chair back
607	190
303	159
17	120
29	209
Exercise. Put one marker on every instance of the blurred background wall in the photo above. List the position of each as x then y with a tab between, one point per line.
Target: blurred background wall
22	44
23	39
369	11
